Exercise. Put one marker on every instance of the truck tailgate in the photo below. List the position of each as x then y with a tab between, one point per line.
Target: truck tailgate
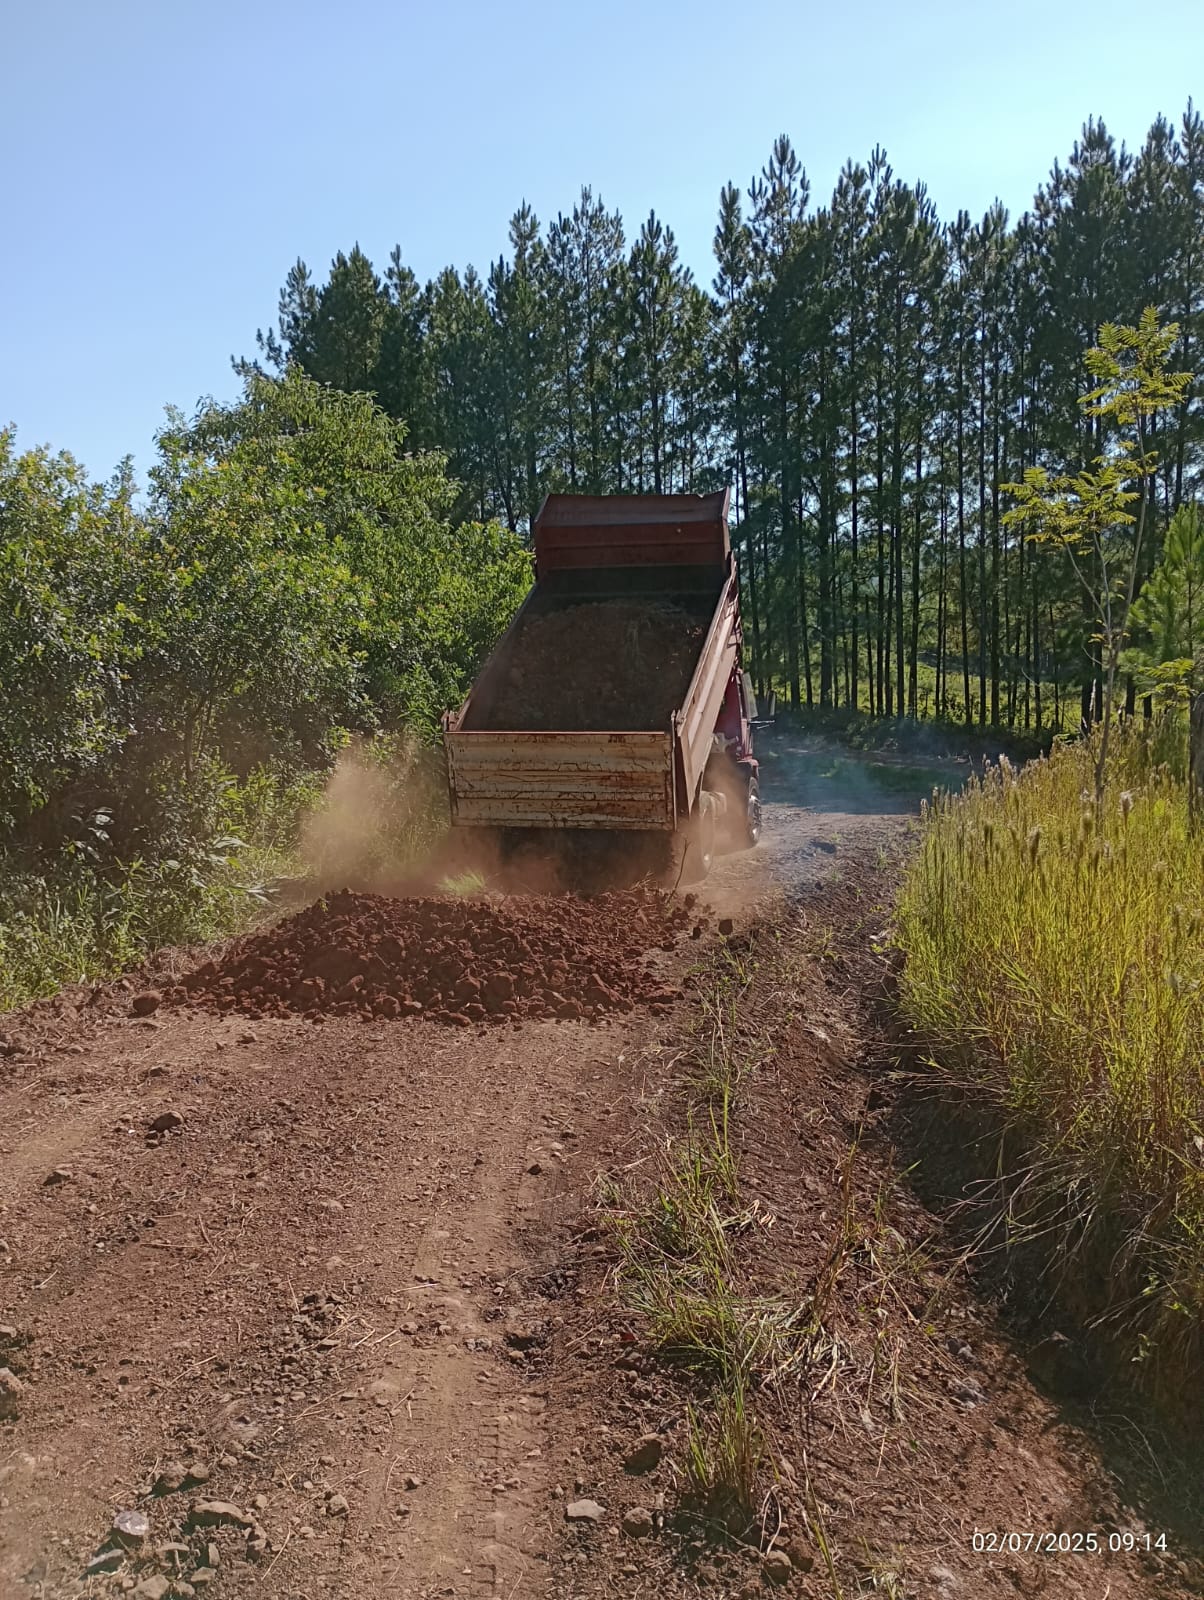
561	780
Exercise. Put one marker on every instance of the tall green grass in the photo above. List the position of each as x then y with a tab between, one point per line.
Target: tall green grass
225	844
80	915
1055	966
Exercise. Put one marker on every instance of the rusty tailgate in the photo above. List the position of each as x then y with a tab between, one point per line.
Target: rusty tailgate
561	780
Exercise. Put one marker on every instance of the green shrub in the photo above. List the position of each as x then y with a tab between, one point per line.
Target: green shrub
181	676
81	915
66	547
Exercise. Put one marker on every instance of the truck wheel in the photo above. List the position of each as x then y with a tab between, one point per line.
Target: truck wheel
752	814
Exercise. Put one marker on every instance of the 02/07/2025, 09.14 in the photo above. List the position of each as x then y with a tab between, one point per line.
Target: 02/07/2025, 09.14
1090	1542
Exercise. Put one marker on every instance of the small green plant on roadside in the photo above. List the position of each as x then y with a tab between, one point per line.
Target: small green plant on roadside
724	1452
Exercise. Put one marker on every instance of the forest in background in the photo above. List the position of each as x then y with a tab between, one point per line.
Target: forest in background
328	557
866	377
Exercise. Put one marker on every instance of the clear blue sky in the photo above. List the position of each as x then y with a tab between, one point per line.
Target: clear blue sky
167	161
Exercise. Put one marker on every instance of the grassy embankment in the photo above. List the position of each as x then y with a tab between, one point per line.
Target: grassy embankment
1055	969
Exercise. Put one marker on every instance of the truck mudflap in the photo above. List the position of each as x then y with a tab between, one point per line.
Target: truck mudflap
562	780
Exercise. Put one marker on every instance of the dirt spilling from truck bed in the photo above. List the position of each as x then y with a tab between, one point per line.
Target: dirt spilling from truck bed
607	664
453	960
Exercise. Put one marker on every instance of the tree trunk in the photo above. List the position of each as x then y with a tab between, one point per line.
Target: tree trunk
961	543
913	664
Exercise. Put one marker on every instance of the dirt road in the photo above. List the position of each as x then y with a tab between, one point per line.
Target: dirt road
311	1302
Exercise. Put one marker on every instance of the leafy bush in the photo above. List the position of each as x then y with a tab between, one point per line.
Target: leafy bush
80	915
294	572
66	548
176	672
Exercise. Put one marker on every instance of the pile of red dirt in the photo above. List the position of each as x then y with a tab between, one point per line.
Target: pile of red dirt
457	960
604	664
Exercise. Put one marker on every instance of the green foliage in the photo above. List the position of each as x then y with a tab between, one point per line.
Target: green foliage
1168	615
77	916
66	625
294	576
244	552
1087	514
1055	969
295	571
297	515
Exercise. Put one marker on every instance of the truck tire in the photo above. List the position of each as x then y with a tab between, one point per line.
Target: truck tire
752	814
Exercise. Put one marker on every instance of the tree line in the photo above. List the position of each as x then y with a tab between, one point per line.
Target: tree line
292	573
866	376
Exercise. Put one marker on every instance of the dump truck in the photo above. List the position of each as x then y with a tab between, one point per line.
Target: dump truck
616	706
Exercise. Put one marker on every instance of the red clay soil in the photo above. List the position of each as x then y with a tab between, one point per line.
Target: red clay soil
608	664
918	1450
335	1309
455	960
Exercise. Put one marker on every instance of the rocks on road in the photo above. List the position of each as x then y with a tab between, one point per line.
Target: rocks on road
220	1513
647	1454
166	1122
583	1511
456	959
131	1527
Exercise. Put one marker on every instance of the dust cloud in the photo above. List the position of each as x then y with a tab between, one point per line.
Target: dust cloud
382	826
380	822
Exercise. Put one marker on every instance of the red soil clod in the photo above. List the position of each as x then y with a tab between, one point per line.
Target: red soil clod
453	960
598	665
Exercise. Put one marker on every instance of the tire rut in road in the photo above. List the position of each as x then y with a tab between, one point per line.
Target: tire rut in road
230	1294
461	1415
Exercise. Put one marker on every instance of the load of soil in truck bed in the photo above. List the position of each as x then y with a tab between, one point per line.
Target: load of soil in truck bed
447	959
617	665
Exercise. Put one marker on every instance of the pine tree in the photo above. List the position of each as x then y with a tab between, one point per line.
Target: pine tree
779	201
345	345
398	378
297	316
868	381
657	287
733	379
851	217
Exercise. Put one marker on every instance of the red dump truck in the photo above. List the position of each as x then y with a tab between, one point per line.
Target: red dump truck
616	704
